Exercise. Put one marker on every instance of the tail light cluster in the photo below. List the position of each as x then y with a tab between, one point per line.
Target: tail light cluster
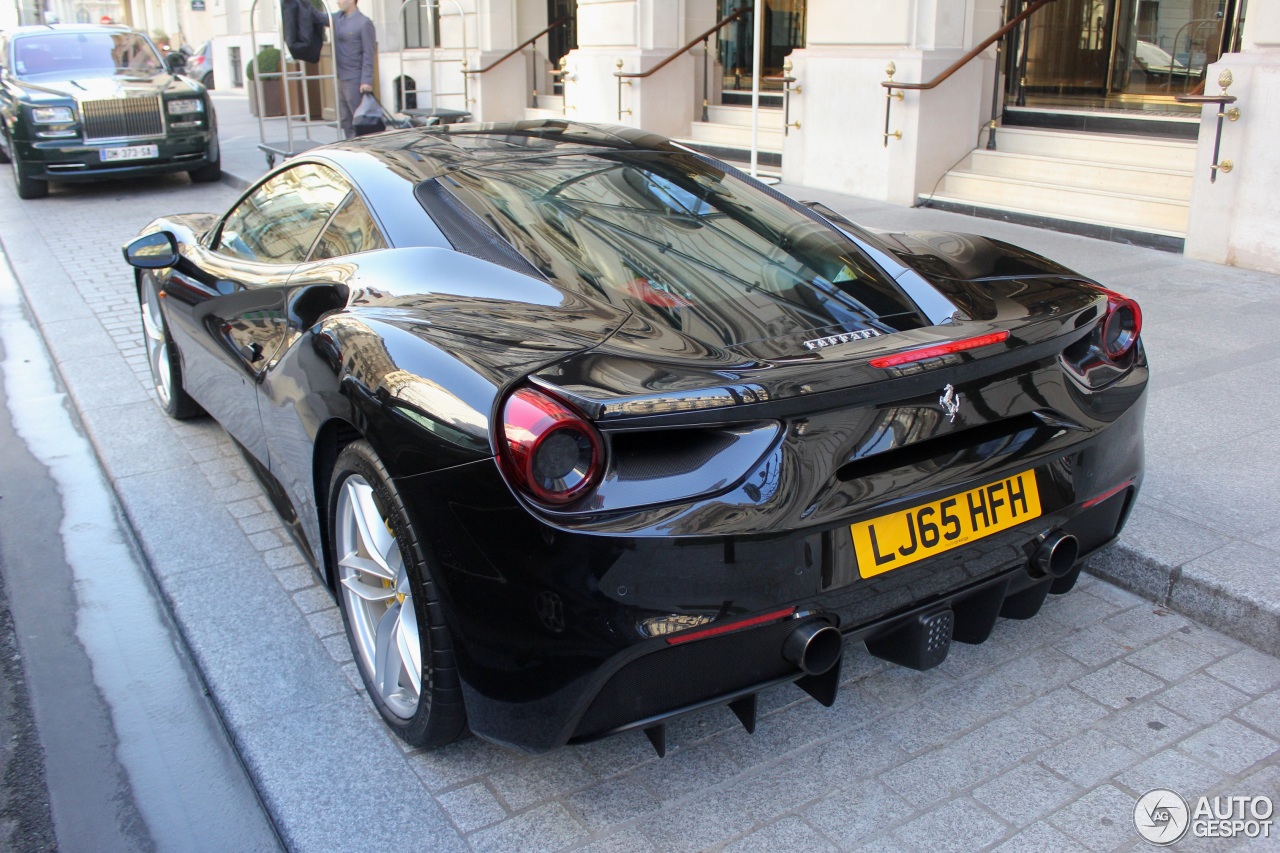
1121	326
1107	354
551	452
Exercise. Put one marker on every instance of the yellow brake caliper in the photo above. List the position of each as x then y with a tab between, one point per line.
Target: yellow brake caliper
386	583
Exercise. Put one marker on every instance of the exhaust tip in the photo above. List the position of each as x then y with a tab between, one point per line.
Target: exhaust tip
815	647
1056	555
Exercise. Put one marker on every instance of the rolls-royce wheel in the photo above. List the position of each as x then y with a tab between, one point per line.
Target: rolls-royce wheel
389	605
208	173
27	188
162	357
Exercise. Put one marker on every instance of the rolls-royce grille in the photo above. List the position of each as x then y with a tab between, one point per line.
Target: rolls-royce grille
122	118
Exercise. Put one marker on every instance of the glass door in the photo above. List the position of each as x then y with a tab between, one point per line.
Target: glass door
1119	54
1067	46
783	32
1163	46
563	39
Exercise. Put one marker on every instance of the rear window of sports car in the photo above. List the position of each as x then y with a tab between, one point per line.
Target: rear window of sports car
671	237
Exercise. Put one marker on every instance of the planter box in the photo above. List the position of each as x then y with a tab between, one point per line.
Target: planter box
272	106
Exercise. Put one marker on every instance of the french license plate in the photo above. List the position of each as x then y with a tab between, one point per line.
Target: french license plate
901	538
129	152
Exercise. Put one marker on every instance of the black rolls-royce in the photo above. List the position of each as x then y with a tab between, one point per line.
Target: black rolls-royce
586	430
81	102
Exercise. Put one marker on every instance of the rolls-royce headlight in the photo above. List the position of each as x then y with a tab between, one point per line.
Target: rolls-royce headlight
186	105
53	115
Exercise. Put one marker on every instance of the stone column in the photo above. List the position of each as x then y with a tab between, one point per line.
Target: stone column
640	33
1235	219
840	144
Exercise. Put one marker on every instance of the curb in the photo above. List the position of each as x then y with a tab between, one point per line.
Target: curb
1205	599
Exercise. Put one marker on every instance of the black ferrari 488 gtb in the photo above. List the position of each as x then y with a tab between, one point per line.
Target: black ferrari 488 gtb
587	430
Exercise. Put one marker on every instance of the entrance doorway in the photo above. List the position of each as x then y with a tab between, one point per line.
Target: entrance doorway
562	39
783	32
1119	54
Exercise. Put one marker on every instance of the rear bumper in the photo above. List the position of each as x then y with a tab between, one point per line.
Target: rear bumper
564	636
72	160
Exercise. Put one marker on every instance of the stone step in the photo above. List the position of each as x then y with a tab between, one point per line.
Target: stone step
1103	148
1113	209
770	117
532	114
551	102
1080	174
736	136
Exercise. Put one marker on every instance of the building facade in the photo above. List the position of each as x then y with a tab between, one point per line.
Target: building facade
1103	122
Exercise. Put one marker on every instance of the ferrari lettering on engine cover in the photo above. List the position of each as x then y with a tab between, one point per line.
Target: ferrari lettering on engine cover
842	338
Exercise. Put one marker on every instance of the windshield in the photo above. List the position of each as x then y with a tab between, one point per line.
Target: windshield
65	56
676	240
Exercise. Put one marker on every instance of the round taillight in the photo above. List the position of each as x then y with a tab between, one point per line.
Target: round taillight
549	450
1122	326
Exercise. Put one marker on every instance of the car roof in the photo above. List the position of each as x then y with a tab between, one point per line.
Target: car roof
67	28
420	154
388	166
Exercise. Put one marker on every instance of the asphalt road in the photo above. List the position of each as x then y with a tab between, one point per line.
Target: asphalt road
25	820
115	745
1042	738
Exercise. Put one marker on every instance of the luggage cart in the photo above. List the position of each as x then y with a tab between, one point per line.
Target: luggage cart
433	113
300	131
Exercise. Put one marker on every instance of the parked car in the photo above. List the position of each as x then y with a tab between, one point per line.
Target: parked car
586	430
200	65
87	102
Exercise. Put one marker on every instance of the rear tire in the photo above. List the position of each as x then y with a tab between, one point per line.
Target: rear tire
393	616
208	173
162	356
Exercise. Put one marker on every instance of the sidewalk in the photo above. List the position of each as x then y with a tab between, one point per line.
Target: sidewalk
1201	539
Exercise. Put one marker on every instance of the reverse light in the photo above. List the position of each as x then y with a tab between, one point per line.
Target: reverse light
921	353
52	115
548	449
1122	325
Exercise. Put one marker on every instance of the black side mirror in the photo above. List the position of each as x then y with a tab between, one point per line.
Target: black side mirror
176	62
153	251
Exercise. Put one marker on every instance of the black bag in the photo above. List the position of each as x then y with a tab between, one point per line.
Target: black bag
369	117
303	30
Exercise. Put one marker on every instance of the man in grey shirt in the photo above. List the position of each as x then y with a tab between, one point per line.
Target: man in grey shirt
354	48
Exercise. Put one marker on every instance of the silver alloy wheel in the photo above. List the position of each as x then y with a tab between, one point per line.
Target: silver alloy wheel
378	599
157	343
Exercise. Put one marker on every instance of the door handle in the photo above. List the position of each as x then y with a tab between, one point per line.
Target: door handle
252	352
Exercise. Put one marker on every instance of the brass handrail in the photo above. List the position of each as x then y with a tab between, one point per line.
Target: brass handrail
522	45
787	91
953	68
968	57
620	74
1224	81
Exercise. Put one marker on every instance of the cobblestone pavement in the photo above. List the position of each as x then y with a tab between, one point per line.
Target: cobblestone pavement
1040	739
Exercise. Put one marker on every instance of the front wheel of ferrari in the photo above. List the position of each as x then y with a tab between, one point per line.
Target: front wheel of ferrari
162	356
393	617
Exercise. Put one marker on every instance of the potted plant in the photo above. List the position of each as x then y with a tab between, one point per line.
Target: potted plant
267	63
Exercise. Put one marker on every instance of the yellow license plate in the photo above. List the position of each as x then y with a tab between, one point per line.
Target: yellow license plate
896	540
